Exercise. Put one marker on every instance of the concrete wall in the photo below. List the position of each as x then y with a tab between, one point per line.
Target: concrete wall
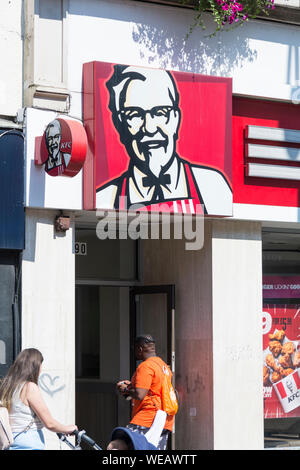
237	335
262	57
218	334
11	51
48	311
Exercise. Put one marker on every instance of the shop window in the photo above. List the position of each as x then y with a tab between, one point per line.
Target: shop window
281	344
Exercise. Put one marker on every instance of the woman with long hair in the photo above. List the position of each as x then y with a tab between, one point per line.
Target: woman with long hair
28	413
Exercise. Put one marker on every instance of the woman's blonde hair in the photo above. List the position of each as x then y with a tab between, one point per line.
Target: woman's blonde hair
26	368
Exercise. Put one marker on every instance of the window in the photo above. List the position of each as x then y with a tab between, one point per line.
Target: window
281	288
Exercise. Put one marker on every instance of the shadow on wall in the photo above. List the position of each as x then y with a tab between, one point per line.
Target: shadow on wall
194	52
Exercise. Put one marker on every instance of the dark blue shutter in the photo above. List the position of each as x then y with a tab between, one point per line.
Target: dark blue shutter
12	213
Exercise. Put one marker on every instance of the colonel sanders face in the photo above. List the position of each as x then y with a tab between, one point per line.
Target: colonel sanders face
53	138
147	116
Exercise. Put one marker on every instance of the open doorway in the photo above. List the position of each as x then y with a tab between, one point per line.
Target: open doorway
112	307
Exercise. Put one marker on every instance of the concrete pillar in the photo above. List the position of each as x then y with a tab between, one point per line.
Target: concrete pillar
218	333
168	262
48	311
237	335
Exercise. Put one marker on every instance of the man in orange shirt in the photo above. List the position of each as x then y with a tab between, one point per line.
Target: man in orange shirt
145	390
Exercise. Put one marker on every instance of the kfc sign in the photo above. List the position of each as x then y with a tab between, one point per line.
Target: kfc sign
158	140
62	149
288	391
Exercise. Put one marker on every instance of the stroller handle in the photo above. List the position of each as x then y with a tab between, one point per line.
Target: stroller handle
81	436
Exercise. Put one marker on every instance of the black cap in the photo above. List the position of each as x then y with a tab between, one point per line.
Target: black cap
141	339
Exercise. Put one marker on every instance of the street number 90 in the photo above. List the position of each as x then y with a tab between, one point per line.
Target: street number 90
80	248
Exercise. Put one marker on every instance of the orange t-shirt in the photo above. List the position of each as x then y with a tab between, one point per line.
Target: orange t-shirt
148	375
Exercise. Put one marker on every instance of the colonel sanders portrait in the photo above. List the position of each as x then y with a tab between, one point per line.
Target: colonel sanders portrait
144	105
56	158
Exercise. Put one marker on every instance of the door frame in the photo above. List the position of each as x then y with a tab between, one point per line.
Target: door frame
169	290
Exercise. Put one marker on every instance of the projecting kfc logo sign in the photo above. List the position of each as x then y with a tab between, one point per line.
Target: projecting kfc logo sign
157	139
62	149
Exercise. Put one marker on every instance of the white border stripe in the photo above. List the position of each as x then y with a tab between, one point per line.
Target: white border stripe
191	203
273	171
273	133
274	153
266	213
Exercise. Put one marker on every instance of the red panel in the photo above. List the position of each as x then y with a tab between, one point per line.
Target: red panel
78	147
205	136
297	380
89	125
281	390
247	190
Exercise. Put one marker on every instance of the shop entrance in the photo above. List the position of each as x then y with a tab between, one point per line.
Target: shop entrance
110	312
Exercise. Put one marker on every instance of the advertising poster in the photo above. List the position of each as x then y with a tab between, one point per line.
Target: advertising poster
281	346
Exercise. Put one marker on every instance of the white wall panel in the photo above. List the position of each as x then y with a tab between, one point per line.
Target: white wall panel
262	57
48	312
11	50
237	335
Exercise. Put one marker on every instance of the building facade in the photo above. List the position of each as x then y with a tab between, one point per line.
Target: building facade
89	285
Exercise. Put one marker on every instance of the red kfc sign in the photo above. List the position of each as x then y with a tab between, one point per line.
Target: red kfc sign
158	140
63	147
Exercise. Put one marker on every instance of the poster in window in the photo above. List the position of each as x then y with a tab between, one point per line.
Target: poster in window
281	347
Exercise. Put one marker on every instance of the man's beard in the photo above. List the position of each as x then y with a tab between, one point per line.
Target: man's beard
54	152
153	155
158	159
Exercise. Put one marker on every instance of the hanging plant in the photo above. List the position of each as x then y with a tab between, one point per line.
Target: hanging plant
228	14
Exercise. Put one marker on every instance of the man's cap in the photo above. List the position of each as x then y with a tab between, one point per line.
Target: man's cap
134	440
144	339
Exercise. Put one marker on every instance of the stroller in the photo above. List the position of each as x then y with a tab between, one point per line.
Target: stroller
133	440
80	436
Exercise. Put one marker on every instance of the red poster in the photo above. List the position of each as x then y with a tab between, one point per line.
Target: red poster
281	356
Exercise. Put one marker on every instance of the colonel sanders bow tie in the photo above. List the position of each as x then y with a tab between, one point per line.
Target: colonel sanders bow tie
157	182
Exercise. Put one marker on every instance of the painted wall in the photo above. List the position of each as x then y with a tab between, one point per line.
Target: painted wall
48	312
237	335
262	57
11	50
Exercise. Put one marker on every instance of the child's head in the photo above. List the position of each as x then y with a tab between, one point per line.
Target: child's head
117	444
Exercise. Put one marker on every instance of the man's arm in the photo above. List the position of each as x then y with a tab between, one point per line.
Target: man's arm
126	389
142	383
136	393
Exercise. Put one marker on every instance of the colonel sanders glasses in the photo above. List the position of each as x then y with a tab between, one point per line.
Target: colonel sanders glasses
136	117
